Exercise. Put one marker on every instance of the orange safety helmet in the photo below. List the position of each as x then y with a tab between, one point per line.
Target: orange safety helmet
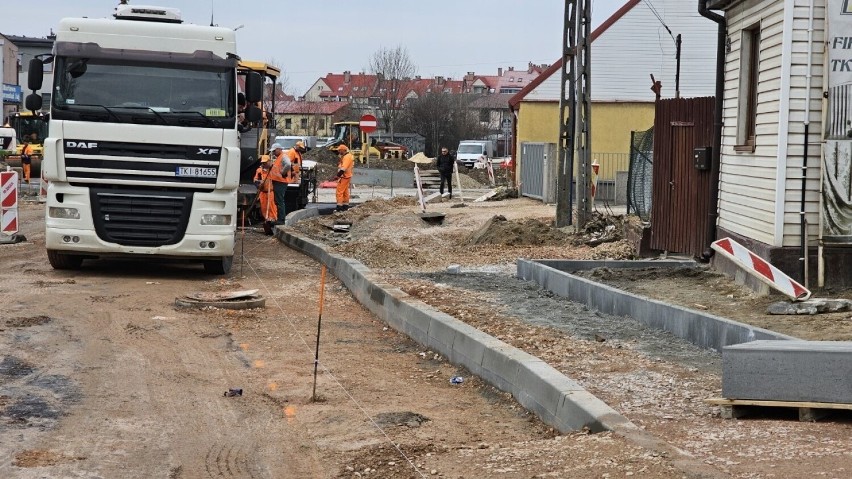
342	149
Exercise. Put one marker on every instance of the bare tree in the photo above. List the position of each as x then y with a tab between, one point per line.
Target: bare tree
443	119
284	79
394	68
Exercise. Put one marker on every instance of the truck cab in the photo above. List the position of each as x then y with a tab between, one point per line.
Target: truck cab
142	154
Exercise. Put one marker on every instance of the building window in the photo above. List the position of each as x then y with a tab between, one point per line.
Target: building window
321	124
749	75
303	123
484	115
288	123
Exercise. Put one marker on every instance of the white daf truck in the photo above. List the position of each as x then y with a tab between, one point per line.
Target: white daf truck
142	155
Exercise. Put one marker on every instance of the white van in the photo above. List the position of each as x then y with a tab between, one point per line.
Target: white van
290	141
471	152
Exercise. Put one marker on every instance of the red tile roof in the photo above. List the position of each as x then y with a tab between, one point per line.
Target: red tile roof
310	107
360	85
515	100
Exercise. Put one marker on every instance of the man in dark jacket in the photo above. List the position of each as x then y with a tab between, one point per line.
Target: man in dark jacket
445	163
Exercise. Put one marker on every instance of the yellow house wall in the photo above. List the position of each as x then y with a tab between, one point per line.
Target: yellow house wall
538	122
296	121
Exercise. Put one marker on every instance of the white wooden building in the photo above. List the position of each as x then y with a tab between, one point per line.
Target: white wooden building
773	83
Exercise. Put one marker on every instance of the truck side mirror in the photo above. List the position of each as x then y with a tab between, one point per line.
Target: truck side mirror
35	77
253	114
33	101
254	87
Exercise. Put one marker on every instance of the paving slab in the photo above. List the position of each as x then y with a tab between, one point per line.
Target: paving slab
800	371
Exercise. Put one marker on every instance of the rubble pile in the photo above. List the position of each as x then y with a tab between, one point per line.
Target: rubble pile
500	231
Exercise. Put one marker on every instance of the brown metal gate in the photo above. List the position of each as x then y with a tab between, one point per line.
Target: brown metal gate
681	191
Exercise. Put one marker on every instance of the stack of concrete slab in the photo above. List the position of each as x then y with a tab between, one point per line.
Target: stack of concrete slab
795	371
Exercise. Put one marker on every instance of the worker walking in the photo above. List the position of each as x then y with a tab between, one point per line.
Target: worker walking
345	165
266	195
26	160
277	174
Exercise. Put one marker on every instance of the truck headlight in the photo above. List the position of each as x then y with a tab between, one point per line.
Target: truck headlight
215	220
63	213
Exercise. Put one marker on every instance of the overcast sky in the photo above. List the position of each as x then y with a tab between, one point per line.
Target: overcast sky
308	39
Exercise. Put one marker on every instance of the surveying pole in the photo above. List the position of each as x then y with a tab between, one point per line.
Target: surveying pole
575	101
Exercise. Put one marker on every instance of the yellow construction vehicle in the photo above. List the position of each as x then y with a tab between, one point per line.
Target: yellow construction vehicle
349	133
32	128
255	135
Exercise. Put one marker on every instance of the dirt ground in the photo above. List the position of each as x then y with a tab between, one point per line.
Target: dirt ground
656	380
101	376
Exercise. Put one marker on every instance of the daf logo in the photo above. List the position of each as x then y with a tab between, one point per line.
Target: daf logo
208	151
81	144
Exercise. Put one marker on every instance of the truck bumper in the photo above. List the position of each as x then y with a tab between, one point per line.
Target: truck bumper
86	242
79	235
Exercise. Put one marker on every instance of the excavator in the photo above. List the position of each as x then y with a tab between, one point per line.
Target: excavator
30	127
349	133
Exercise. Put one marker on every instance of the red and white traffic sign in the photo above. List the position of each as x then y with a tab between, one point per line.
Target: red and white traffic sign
9	202
368	124
761	269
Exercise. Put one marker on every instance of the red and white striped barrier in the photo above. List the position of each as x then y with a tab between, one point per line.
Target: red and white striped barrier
8	202
761	269
490	169
420	194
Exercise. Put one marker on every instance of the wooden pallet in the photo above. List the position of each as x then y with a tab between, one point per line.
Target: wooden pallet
808	411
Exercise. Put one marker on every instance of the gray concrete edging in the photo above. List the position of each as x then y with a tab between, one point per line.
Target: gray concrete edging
555	398
702	329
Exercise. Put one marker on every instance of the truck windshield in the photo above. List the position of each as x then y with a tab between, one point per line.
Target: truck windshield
122	92
470	149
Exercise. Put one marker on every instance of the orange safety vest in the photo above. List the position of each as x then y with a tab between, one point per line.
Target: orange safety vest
263	178
292	176
275	171
347	164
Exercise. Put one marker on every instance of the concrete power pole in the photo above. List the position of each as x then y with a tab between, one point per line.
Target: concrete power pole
575	132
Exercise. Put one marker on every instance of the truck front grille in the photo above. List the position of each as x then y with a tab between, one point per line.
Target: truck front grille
141	164
140	218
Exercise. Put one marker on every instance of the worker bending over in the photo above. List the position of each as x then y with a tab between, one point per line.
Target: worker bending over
295	156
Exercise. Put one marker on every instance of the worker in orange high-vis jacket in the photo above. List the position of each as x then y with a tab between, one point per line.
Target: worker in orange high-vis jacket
295	156
345	165
26	160
265	194
277	174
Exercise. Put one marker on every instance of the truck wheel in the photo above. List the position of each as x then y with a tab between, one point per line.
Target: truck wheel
219	266
63	261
